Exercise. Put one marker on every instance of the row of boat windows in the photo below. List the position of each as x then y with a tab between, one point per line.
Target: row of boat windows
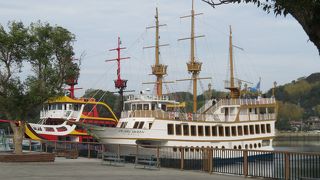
261	110
137	125
193	130
152	106
247	146
59	106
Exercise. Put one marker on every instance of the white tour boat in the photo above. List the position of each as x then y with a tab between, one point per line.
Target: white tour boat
231	123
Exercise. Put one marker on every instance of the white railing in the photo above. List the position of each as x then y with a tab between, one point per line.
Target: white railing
205	107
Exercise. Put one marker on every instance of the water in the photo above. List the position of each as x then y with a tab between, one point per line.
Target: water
297	144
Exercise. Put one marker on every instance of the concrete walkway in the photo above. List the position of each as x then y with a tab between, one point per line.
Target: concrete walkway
91	169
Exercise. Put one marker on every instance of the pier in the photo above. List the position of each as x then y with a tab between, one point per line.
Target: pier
240	163
91	169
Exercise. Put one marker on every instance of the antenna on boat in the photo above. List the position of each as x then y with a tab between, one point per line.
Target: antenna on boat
159	70
73	80
120	84
194	67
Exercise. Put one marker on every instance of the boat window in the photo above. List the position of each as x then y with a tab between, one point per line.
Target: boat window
214	131
65	107
207	130
127	107
141	125
221	132
251	129
170	129
255	111
245	129
268	128
262	110
76	107
226	111
163	107
136	124
233	131
263	128
257	129
270	110
240	131
150	125
265	142
200	130
70	106
250	110
227	131
50	129
134	107
193	130
145	106
59	106
178	129
186	130
153	106
139	106
53	107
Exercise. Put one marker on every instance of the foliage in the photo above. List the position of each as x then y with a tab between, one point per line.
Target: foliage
48	51
299	96
306	12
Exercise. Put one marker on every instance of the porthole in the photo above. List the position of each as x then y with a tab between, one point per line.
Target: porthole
250	146
239	147
255	145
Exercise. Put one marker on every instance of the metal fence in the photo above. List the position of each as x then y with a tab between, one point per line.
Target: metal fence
248	163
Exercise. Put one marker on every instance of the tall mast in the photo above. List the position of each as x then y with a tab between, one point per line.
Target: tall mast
231	62
158	70
234	89
73	80
193	66
119	83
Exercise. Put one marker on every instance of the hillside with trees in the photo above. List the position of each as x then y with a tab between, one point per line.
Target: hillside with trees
298	100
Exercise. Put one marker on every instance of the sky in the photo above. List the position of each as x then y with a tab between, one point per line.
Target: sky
275	48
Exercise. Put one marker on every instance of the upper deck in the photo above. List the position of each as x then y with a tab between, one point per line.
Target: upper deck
225	110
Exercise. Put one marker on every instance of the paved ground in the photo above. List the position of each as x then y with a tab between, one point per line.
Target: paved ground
91	169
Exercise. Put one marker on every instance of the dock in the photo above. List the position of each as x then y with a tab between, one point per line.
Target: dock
85	168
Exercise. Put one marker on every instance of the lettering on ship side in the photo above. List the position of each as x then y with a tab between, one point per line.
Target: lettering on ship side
131	131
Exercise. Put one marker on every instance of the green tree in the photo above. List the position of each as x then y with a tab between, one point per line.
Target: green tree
306	12
288	112
48	51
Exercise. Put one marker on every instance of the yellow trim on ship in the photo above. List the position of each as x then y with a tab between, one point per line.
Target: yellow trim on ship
31	134
75	132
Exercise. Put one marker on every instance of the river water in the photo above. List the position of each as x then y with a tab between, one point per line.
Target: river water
297	144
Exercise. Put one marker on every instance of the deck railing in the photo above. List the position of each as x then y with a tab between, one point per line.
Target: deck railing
243	162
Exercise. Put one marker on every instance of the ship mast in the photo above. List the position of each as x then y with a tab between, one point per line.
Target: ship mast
72	81
234	89
193	66
120	84
158	70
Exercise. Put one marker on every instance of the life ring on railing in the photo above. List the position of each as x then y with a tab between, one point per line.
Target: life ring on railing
189	116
